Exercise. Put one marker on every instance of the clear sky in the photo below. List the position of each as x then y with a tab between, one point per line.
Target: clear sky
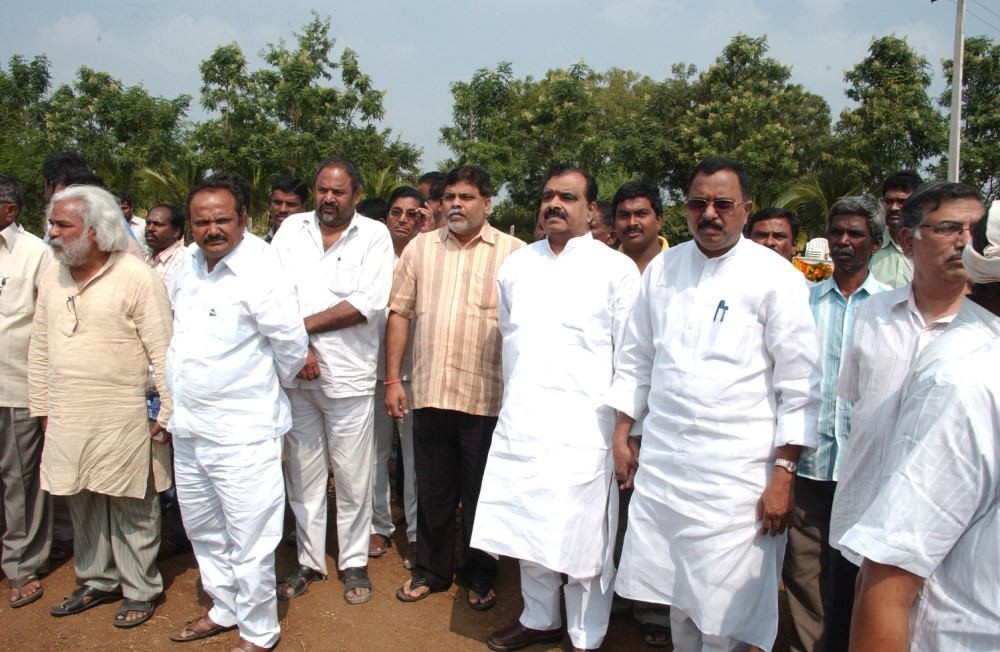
414	50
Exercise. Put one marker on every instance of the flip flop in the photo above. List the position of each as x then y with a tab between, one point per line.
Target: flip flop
77	601
147	607
415	583
24	600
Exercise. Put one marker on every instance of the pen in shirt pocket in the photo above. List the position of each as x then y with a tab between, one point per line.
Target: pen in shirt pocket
720	311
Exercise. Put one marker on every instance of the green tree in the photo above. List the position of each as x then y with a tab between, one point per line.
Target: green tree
980	152
895	125
288	116
23	87
118	129
744	107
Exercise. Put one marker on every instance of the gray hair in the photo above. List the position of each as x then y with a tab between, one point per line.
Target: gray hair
864	206
11	191
100	212
929	197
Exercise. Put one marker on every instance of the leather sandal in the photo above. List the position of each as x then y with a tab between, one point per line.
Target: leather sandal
146	607
298	581
82	599
246	646
197	629
357	578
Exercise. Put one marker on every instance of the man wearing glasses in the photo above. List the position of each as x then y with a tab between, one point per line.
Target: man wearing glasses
719	365
408	212
891	329
100	303
890	264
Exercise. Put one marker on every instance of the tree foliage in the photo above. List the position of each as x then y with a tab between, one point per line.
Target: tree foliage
895	125
980	151
287	117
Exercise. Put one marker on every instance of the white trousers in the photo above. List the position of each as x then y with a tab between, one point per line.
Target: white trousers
232	502
588	608
688	638
335	434
384	424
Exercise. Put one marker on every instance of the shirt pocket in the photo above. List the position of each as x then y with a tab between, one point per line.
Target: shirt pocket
17	295
729	339
483	294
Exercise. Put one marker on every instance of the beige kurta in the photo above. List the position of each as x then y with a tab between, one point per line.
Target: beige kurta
87	368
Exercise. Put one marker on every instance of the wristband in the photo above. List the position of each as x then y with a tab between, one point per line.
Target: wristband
391	382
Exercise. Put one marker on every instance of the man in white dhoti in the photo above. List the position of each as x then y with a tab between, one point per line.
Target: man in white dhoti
548	485
237	334
720	361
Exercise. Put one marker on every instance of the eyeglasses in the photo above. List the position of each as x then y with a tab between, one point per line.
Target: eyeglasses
71	306
947	229
722	206
411	213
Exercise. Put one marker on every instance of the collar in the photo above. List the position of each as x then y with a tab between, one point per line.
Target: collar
871	285
9	235
572	243
67	278
486	234
234	261
169	252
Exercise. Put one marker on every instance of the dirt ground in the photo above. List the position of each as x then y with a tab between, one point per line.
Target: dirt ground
318	621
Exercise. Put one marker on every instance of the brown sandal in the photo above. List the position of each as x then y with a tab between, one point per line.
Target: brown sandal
197	629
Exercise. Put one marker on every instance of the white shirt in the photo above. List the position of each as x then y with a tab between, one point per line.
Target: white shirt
560	318
938	516
889	332
356	269
237	333
725	354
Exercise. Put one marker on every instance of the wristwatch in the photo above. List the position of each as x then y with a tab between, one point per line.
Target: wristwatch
788	465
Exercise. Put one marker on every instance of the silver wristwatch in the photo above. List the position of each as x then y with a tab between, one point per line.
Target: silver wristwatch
788	465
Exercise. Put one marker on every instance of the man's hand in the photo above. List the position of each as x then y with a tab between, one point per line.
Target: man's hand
774	509
626	461
158	433
45	423
395	401
310	370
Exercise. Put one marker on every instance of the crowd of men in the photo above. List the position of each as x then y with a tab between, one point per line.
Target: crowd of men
666	431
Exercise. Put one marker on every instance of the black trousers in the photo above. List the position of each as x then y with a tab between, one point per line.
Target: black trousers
449	453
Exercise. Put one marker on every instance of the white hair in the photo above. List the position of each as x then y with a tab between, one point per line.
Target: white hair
101	212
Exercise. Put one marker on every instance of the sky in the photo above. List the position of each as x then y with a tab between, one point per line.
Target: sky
415	50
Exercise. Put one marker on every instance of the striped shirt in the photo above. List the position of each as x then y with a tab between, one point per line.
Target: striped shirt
451	291
834	315
165	263
889	332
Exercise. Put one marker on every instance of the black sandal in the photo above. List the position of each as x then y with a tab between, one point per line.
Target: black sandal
77	601
415	583
298	581
357	578
147	607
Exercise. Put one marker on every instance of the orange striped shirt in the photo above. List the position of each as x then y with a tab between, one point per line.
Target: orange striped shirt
450	289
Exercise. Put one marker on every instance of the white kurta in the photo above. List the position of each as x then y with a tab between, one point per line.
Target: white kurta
549	476
724	352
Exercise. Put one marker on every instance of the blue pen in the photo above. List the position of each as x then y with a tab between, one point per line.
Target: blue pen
723	307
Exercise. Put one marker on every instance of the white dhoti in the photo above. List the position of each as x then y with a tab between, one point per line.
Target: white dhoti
588	605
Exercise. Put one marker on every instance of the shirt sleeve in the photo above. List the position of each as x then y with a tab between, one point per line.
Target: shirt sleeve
790	338
38	357
634	357
372	293
154	325
404	282
943	485
277	315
